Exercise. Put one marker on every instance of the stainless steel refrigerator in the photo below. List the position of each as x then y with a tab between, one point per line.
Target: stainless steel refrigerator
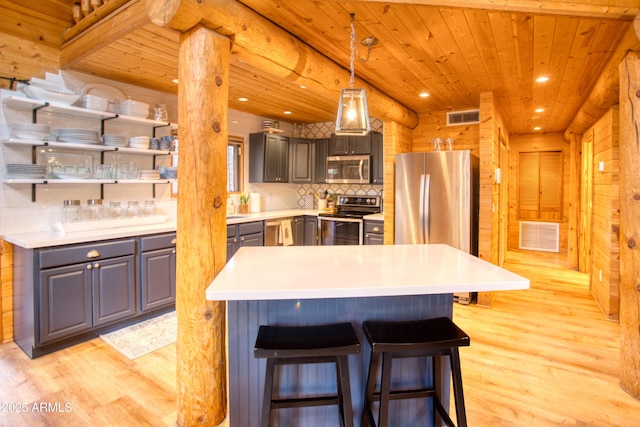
437	201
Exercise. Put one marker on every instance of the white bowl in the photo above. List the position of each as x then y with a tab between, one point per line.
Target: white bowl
134	108
50	96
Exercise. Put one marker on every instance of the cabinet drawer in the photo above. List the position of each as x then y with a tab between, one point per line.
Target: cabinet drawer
250	228
373	227
80	253
161	241
231	231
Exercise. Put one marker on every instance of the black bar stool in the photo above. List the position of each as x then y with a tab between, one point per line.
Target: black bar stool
416	338
293	345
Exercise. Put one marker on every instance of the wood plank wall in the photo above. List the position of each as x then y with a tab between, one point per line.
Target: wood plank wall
434	125
6	291
397	139
605	248
535	143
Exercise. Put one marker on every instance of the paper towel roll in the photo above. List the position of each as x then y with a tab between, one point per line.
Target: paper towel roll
254	203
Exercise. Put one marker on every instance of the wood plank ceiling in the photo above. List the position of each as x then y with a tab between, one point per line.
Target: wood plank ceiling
452	53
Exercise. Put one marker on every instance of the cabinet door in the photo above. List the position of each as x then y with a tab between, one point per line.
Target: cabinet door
256	239
113	289
65	302
302	160
310	231
360	144
339	145
377	159
158	279
322	151
297	228
283	159
232	241
272	159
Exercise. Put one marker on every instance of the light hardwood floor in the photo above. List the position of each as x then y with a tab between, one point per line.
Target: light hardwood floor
541	357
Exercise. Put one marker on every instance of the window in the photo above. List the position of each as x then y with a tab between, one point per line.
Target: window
234	164
540	181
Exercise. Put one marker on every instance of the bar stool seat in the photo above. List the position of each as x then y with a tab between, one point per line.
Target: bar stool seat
416	338
294	345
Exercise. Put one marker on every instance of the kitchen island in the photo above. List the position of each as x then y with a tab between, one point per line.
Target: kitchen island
323	284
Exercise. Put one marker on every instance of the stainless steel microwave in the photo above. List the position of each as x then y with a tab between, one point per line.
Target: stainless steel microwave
348	170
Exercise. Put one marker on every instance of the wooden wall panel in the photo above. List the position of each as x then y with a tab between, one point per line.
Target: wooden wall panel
6	291
605	250
434	125
536	143
23	59
397	139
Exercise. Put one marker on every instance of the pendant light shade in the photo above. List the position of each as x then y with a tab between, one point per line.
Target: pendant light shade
353	113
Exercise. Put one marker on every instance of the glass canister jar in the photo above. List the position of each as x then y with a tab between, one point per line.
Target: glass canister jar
94	211
149	208
115	210
71	211
133	209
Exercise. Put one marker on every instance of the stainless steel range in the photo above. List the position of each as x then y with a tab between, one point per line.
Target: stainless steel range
346	226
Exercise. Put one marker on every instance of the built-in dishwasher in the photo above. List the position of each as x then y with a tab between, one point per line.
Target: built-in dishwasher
277	232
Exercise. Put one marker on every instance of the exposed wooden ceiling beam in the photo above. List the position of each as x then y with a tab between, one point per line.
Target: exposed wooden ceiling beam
260	43
128	18
606	9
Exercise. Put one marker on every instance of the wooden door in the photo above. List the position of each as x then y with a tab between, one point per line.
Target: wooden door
504	200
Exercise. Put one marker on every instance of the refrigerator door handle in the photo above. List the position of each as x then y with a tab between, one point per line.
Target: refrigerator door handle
424	207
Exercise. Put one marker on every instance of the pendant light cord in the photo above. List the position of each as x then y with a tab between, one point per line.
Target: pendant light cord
353	49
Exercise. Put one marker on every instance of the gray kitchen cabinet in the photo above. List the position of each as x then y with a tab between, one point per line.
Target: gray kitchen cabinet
305	230
297	229
67	294
106	295
310	231
347	145
65	303
245	234
377	159
373	232
322	151
157	271
268	158
302	160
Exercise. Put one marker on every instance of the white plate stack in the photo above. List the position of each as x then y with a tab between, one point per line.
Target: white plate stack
267	124
15	170
78	136
28	130
139	142
134	108
114	140
148	174
93	102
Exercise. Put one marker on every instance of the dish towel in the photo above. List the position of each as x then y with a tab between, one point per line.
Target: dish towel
285	230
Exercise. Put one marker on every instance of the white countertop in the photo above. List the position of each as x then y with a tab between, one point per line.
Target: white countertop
41	239
302	272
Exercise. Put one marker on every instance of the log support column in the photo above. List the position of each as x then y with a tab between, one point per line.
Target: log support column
629	224
201	248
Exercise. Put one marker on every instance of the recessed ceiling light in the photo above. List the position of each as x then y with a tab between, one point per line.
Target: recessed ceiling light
243	99
176	81
303	87
235	122
542	79
539	110
287	112
537	128
424	95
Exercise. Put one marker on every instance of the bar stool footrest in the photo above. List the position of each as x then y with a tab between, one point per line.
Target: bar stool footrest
304	401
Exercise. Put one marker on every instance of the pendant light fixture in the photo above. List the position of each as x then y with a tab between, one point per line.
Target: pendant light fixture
353	112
